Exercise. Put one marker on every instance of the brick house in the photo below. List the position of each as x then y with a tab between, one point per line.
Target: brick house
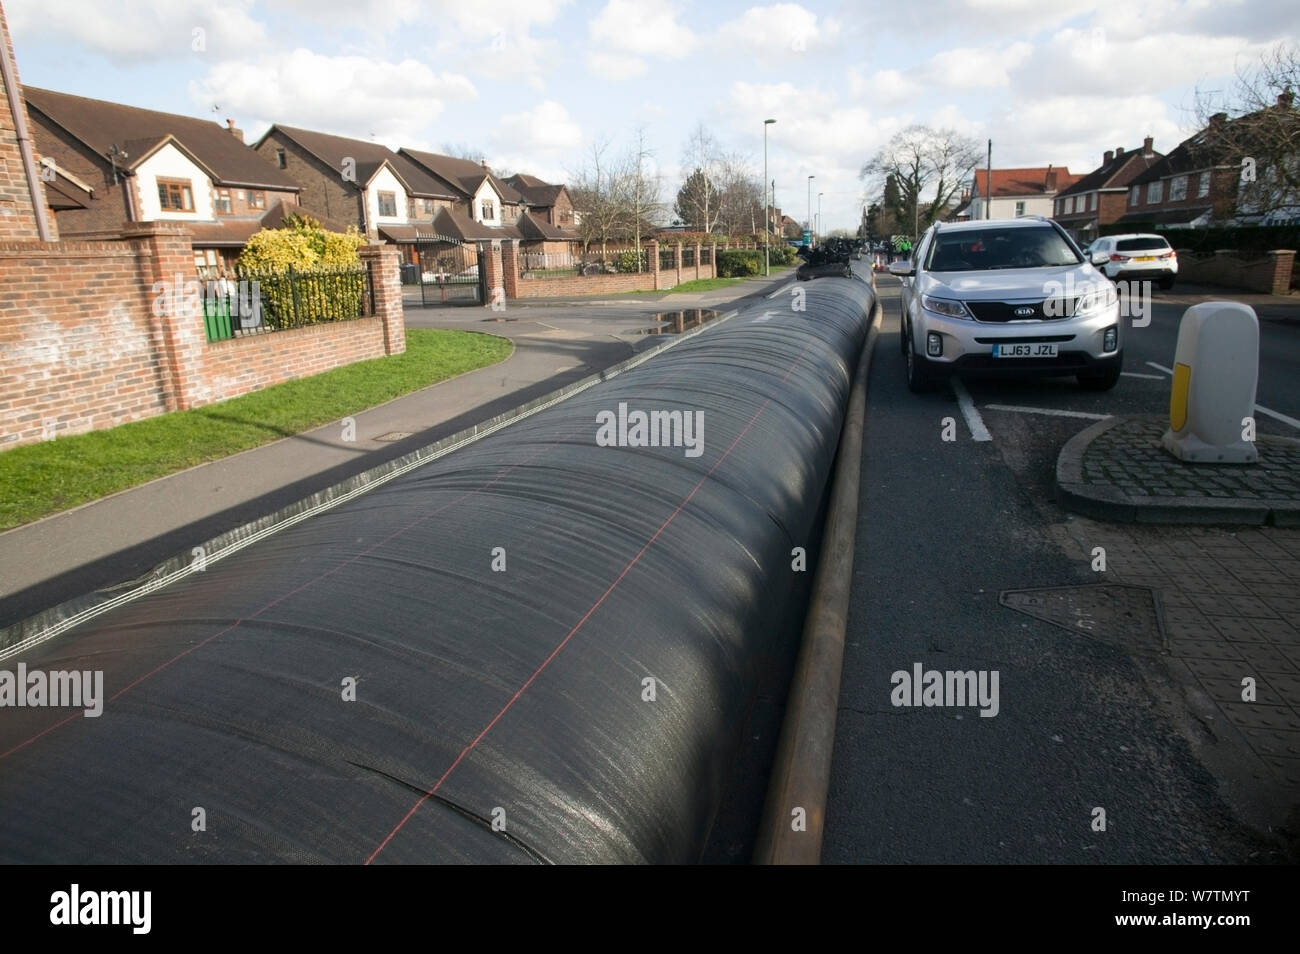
1200	182
1101	197
109	165
367	185
547	202
1016	192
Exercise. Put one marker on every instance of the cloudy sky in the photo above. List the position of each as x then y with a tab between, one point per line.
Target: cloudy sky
534	83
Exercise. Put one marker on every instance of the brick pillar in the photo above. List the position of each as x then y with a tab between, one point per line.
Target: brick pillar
384	261
489	260
652	259
677	261
697	259
1283	262
713	260
166	262
510	267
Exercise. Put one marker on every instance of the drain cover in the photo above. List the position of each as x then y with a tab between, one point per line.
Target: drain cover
393	436
1126	616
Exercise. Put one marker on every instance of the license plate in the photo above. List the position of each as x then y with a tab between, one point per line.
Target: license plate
1034	350
1145	258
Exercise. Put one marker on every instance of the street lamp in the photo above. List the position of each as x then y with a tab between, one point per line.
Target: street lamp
810	221
819	213
767	217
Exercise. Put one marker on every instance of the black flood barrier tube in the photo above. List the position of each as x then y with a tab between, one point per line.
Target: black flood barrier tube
537	648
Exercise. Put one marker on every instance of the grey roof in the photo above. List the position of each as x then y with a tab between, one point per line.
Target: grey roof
369	158
464	175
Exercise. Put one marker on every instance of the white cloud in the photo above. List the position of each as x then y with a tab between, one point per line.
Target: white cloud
976	67
142	30
788	25
883	87
642	27
616	68
348	95
547	127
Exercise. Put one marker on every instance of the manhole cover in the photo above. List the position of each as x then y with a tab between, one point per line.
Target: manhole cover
393	436
1126	616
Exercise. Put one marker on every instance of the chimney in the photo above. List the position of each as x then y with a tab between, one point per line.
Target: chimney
237	133
1286	98
1051	179
1119	152
965	193
1107	156
1146	146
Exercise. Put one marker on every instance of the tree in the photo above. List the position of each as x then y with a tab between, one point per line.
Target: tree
1255	128
923	162
643	189
697	202
703	155
598	194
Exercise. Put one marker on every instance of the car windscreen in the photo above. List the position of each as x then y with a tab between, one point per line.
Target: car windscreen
1141	244
973	250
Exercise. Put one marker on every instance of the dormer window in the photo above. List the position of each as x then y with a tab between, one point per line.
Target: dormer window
388	204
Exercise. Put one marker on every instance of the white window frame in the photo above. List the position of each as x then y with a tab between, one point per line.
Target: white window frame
1203	186
1134	194
1178	188
1155	192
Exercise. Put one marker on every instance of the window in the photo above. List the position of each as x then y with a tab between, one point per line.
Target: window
281	160
1203	186
388	204
1133	196
1177	188
1074	204
255	200
488	210
1092	201
222	203
1151	243
426	206
175	195
1020	209
1155	192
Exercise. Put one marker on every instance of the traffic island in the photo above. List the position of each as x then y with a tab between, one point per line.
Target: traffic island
1117	470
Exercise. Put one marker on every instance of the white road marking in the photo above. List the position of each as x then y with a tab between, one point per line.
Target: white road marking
1044	410
786	287
1276	415
974	422
766	316
1134	374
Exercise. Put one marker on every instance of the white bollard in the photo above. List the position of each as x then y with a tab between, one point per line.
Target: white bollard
1212	401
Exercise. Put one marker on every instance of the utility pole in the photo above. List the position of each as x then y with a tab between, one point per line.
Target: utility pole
767	215
988	199
819	213
810	221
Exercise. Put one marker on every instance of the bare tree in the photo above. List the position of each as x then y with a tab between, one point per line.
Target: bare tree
461	150
702	157
1254	129
643	187
923	162
598	191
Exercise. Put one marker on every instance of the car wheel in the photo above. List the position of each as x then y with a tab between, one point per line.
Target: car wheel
918	382
1099	382
1167	283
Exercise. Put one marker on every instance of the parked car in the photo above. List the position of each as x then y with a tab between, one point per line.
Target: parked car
1007	297
1138	256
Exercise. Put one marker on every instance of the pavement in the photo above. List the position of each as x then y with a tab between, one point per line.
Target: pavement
119	539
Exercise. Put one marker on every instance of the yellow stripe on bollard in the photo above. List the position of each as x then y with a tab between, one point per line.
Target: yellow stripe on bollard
1178	397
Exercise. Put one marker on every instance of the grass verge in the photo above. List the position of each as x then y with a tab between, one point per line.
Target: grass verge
41	479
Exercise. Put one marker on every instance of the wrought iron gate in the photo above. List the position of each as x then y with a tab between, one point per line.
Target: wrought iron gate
446	270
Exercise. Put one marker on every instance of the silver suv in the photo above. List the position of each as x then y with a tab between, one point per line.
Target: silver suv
1007	297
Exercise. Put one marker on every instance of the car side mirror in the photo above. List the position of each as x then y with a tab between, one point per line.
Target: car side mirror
1098	258
902	269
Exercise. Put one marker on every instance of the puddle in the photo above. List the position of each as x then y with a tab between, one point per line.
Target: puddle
676	322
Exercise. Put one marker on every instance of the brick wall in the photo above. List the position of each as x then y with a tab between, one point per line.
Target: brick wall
85	343
17	215
1269	273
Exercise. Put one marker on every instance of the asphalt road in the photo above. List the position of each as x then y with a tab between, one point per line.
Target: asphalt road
1081	725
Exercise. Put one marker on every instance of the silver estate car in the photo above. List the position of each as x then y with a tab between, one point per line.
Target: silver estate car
1010	297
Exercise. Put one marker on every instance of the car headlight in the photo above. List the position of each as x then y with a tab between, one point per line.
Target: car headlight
1096	300
944	306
